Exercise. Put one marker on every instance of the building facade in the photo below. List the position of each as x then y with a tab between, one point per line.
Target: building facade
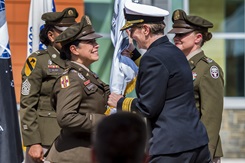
226	47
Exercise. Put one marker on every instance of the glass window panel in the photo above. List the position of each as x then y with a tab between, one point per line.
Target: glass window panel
235	67
234	14
228	19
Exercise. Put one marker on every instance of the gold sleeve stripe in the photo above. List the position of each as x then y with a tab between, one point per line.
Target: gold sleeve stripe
130	86
126	106
137	61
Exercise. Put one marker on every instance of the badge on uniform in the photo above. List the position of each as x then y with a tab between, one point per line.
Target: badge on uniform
64	81
81	76
26	87
194	75
53	68
86	82
214	72
30	65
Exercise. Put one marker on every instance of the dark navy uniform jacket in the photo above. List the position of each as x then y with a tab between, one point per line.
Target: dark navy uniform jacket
165	96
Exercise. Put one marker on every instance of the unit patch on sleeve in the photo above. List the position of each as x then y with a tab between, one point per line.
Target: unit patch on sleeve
64	81
214	72
30	65
26	87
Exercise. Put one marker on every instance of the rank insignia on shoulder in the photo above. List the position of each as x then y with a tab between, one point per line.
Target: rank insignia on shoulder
26	87
30	65
214	72
194	75
66	71
208	60
64	81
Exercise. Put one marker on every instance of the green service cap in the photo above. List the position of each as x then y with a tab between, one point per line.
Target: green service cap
79	31
186	23
64	19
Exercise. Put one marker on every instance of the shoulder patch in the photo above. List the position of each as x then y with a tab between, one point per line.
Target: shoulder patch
30	65
64	81
214	72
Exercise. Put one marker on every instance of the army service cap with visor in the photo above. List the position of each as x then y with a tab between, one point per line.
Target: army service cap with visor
136	13
186	23
61	20
79	31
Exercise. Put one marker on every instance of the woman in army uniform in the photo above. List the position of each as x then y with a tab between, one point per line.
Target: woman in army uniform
191	32
38	119
79	96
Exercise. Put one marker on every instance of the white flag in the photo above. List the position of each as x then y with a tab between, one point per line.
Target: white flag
37	9
123	69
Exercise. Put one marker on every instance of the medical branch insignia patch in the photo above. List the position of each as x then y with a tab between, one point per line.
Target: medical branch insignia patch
64	81
30	65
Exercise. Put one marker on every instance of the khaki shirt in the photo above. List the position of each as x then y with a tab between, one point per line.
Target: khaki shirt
38	118
209	93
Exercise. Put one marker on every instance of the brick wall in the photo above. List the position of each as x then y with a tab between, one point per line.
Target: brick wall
233	133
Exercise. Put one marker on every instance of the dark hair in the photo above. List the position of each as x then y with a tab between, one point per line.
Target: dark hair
206	36
43	35
120	138
65	52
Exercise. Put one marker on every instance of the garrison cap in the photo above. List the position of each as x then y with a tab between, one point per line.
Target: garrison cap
79	31
63	19
186	23
139	13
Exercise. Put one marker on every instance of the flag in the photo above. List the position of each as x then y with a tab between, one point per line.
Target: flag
10	139
35	23
123	69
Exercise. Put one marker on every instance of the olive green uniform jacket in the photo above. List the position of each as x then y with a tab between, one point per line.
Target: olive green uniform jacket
209	92
80	99
38	118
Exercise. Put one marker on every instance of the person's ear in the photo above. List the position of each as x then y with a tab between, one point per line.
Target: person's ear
198	38
146	29
73	50
51	36
93	155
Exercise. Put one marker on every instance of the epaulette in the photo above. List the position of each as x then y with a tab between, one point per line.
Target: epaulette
41	52
207	60
66	71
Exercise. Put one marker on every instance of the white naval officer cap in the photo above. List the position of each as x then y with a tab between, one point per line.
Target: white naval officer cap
136	13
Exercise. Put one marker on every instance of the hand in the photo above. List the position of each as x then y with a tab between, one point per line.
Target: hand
113	99
36	152
131	46
128	51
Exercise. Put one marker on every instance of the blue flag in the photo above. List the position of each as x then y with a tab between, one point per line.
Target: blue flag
10	139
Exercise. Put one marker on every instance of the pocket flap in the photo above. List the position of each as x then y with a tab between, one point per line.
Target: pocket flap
47	114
